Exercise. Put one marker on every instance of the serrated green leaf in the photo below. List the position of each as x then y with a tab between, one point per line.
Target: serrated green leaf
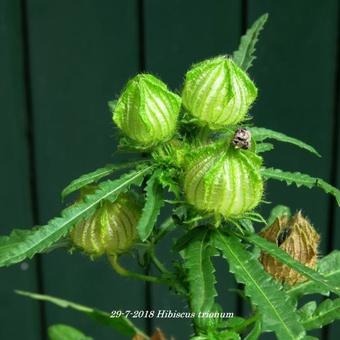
255	332
261	134
307	309
215	335
112	105
325	313
65	332
94	176
184	240
65	242
233	322
278	211
273	250
247	224
121	324
166	227
244	56
153	203
200	273
300	179
21	245
263	147
329	268
278	314
167	180
226	335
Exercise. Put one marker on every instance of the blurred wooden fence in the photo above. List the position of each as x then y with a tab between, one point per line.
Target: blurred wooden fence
61	61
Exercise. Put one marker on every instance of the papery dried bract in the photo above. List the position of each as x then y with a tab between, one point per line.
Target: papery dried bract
297	237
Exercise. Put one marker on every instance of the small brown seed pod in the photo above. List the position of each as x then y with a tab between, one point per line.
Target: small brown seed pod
297	237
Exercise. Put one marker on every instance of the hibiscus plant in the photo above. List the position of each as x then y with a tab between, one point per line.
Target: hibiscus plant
198	153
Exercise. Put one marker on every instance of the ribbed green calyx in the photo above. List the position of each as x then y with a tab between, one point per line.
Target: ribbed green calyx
171	153
111	229
224	182
218	93
147	111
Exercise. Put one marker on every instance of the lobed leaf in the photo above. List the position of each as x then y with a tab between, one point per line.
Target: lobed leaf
278	314
20	245
185	239
273	250
300	180
261	134
220	335
94	176
166	227
112	105
200	273
313	316
307	309
166	179
255	332
244	56
121	324
65	332
153	203
329	268
276	212
263	147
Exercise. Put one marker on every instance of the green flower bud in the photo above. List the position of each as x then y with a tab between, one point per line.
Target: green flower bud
147	111
223	182
297	237
218	93
111	229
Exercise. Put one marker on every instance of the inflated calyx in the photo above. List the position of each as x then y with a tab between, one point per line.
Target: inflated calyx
297	237
223	182
111	229
218	93
147	111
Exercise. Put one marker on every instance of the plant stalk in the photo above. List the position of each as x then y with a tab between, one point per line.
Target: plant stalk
159	265
124	272
246	323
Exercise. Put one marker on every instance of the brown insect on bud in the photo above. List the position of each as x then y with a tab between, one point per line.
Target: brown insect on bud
242	139
297	237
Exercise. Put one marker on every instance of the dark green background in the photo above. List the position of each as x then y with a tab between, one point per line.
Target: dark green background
62	60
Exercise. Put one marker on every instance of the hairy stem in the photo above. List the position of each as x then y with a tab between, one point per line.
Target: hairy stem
203	134
166	227
159	265
246	323
124	272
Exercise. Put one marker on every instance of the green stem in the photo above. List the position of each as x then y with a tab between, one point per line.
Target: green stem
124	272
166	227
159	265
203	134
246	323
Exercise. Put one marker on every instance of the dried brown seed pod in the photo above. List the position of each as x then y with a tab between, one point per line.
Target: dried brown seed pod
297	237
